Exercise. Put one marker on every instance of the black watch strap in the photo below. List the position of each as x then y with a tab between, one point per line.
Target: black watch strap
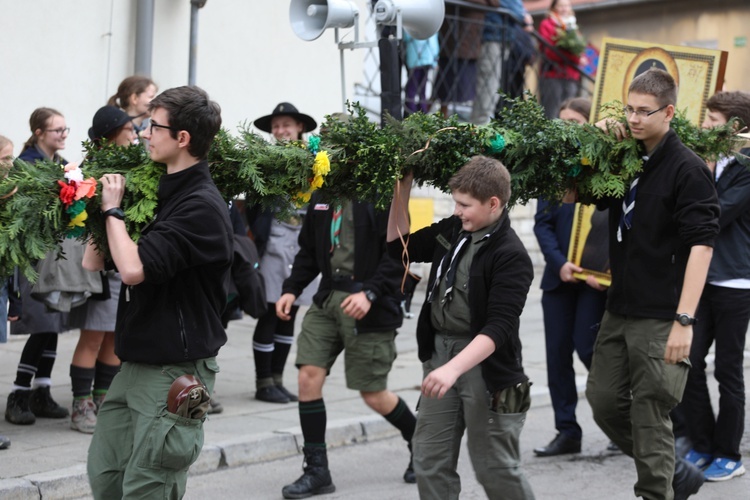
115	212
685	319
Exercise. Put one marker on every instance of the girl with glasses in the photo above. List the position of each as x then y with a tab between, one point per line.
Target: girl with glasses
48	134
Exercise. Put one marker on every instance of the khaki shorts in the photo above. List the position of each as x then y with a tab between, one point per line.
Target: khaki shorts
327	331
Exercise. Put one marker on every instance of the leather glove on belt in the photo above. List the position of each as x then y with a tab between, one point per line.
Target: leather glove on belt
188	397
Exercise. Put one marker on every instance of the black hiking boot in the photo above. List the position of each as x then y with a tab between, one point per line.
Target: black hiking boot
317	478
17	410
409	475
42	404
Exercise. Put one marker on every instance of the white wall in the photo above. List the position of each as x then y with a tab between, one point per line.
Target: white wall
72	54
57	54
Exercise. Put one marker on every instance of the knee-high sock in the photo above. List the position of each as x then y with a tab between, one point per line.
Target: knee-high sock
282	343
313	419
31	356
263	343
47	361
80	380
103	376
403	419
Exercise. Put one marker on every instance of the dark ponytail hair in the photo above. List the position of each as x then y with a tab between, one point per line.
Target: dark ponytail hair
38	120
135	84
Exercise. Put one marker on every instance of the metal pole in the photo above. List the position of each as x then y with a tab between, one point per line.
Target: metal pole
144	37
390	71
194	6
390	79
343	80
341	58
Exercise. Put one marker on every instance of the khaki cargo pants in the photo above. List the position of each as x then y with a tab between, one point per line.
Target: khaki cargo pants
631	390
139	449
492	423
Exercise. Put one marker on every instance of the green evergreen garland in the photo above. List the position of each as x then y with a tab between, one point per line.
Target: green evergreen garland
545	157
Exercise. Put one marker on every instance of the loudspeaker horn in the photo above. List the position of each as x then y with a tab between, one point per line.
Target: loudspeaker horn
421	18
310	18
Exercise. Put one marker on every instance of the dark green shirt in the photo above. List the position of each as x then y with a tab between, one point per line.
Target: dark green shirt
452	314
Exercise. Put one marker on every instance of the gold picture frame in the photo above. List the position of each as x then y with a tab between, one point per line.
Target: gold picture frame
589	243
699	73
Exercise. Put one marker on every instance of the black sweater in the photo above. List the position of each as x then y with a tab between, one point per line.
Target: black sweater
372	265
676	208
174	315
499	280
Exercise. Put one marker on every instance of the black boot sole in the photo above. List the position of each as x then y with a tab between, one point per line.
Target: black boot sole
323	490
20	422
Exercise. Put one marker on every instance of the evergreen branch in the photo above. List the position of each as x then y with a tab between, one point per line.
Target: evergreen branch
545	158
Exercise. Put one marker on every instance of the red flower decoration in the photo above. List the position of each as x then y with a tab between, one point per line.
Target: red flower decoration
67	192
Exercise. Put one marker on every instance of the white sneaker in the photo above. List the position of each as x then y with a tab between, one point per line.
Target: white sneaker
98	401
83	417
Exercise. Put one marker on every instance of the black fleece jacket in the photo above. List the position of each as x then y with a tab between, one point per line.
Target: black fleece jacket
372	266
174	315
675	208
499	280
731	259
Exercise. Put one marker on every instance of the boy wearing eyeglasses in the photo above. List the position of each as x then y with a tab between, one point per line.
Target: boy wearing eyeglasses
661	241
169	314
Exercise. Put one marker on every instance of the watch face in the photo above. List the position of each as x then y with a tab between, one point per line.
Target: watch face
684	319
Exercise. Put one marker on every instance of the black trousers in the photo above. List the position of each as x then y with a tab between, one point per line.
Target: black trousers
723	316
572	314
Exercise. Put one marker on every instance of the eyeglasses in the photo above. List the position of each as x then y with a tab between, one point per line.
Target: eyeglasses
154	124
59	131
641	113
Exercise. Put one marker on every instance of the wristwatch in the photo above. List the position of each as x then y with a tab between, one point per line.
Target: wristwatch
115	212
370	295
685	319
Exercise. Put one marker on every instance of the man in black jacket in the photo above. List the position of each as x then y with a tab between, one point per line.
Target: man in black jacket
661	239
356	310
169	315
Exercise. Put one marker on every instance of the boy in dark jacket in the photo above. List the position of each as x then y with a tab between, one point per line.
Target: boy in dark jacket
356	310
661	242
467	335
169	315
724	311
